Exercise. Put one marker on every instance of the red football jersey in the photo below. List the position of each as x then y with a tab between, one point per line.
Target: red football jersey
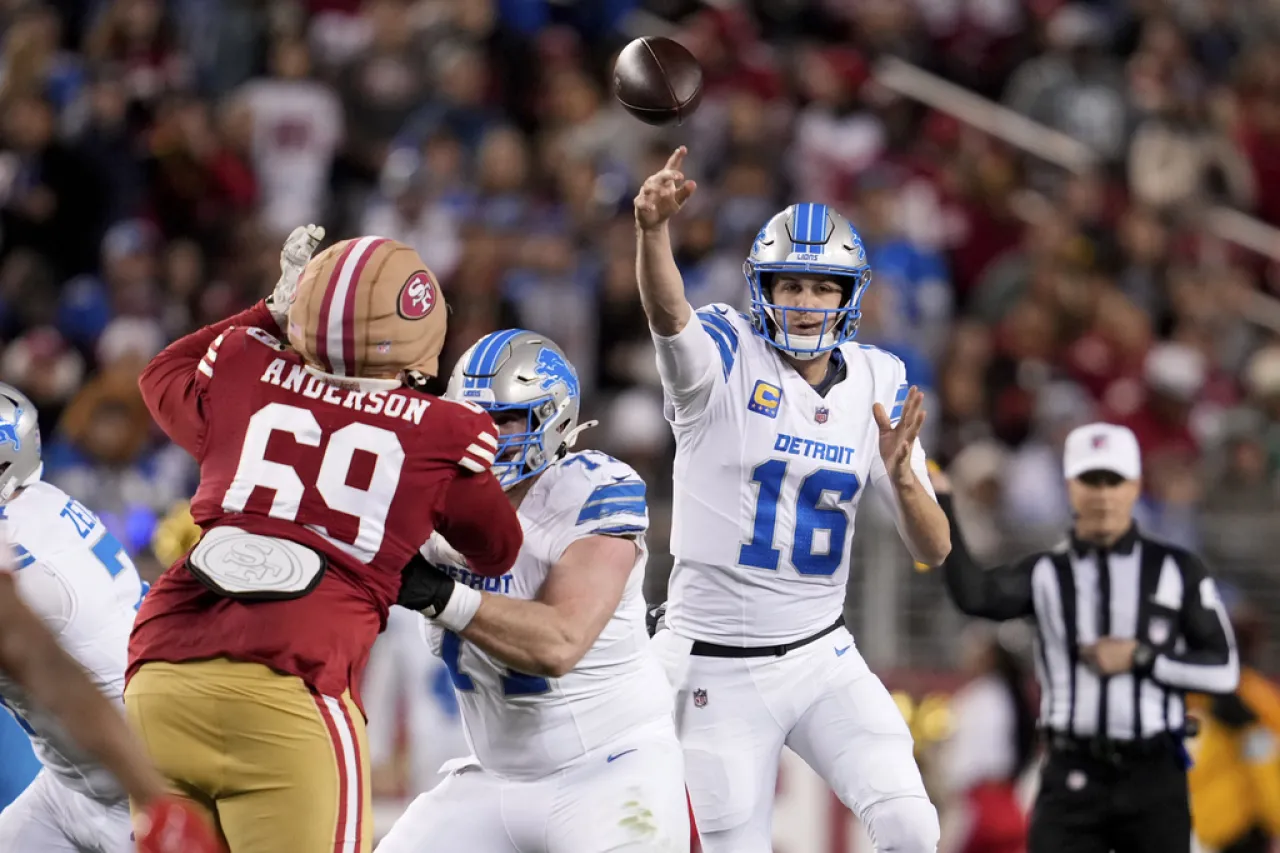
361	471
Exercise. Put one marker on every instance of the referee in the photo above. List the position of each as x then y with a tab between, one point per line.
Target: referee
1126	625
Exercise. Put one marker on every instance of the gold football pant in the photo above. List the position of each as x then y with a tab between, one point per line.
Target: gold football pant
274	765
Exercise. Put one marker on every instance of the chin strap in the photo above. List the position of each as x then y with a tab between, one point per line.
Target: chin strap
571	437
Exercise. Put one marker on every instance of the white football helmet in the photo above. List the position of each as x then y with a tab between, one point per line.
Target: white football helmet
807	239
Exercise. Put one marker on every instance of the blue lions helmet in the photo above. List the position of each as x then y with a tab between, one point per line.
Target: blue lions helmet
519	375
807	239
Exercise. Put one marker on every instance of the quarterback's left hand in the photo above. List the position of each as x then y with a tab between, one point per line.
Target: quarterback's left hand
897	442
294	256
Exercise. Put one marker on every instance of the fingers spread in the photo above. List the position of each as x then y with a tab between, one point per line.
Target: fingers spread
685	191
882	417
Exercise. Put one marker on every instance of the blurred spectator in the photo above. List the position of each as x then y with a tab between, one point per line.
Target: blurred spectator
1235	781
991	744
52	199
297	128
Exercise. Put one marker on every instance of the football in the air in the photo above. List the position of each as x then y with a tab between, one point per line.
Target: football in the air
657	80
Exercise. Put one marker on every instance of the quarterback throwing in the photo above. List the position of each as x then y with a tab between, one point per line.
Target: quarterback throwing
782	423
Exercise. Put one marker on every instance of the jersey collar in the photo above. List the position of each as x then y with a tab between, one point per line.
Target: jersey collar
1124	545
837	370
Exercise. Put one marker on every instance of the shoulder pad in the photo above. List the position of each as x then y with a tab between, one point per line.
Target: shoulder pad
602	493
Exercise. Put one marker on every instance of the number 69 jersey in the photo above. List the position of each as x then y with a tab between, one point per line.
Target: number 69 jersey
525	727
768	477
360	471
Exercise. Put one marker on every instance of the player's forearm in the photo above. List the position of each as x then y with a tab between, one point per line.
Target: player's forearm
661	287
167	382
32	657
528	636
925	527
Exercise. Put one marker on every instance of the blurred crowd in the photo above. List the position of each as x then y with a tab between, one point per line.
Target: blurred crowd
156	153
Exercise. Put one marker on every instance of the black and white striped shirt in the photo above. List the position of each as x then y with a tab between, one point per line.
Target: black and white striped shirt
1139	588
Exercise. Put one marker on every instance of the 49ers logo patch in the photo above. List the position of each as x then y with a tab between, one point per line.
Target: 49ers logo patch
417	296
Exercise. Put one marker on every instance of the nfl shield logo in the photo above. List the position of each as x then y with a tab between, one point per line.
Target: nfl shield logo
821	414
699	698
1098	442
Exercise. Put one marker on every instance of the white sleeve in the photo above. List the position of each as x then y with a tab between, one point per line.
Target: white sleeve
47	595
612	502
688	363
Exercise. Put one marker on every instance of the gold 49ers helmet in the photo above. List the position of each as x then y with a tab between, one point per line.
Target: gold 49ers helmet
368	307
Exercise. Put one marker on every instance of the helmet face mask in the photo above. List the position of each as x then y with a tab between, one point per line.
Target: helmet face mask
525	382
810	241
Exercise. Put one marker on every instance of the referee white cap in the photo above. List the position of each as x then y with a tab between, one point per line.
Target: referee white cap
1102	447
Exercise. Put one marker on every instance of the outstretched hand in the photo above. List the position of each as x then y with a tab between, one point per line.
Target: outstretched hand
663	193
897	441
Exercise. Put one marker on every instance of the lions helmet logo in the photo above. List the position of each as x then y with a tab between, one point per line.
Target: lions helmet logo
417	296
9	431
551	368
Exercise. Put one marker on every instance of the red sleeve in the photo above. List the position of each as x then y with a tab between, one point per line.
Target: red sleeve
481	524
174	383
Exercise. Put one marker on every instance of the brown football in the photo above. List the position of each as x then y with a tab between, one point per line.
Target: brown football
657	80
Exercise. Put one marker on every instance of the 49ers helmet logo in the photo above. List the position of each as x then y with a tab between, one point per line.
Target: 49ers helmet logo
417	296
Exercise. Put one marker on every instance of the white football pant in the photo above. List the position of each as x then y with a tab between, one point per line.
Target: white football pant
628	798
735	714
49	817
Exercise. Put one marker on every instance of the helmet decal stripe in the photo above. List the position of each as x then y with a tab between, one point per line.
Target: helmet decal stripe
326	301
349	350
334	325
484	362
818	226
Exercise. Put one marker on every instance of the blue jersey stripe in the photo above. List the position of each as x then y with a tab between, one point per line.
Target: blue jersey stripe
23	562
620	528
614	499
723	345
624	506
898	402
722	323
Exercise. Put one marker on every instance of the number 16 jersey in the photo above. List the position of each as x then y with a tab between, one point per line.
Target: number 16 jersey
768	476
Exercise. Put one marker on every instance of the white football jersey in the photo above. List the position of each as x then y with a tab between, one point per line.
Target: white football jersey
522	726
75	575
768	476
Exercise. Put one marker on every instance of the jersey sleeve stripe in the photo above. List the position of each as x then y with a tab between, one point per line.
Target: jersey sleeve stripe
482	453
725	337
489	439
472	465
611	507
722	323
898	401
204	368
23	562
619	529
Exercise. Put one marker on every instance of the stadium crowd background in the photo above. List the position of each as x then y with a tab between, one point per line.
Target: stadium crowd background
154	155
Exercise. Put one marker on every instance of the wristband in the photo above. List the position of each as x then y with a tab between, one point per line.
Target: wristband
461	608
